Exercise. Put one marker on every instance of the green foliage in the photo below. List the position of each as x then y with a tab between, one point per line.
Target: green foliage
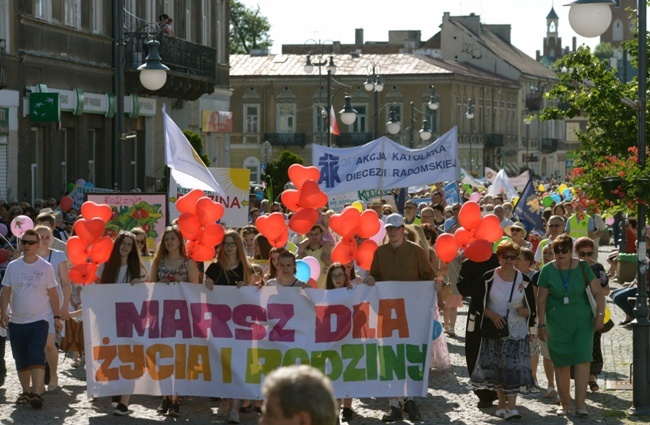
249	30
276	174
197	143
137	215
604	51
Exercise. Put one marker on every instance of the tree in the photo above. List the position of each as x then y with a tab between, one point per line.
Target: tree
197	143
249	29
604	51
276	174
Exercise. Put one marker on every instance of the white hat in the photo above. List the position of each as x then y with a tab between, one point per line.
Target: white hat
394	220
516	224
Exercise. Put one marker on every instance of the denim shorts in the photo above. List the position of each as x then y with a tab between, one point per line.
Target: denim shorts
28	344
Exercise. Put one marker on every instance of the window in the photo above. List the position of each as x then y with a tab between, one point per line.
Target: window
286	118
43	9
96	16
205	22
617	30
92	140
397	108
253	164
4	26
360	125
251	118
72	13
188	20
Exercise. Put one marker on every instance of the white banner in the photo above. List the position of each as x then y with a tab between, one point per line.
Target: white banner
156	339
521	180
503	185
385	164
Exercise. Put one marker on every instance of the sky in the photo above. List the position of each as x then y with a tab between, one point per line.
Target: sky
297	21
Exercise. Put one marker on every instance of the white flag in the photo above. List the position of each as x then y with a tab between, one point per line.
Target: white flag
502	185
187	167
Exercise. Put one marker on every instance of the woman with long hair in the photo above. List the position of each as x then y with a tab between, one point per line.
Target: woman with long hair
286	272
171	264
123	267
141	241
274	257
261	252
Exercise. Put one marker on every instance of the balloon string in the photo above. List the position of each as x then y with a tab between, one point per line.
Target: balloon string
9	243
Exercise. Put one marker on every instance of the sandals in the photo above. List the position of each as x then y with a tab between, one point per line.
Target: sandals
582	412
501	413
561	412
36	401
593	386
550	393
23	399
76	362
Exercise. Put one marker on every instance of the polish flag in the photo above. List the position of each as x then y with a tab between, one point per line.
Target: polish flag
334	126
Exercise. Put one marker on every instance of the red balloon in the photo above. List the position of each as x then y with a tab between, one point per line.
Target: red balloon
446	248
187	202
312	283
271	226
299	174
346	223
480	250
4	255
66	203
199	252
189	225
83	274
311	196
345	250
470	215
368	224
303	221
89	210
489	229
365	254
100	251
89	229
280	240
290	199
211	234
463	237
78	250
208	211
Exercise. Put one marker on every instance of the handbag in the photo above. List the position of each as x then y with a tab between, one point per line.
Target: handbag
590	296
489	329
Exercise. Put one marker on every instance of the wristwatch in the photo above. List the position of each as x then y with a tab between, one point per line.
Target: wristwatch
57	317
601	314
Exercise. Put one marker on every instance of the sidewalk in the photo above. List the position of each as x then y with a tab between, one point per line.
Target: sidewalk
449	399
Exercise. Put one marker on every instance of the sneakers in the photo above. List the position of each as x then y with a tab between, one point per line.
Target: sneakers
121	410
394	414
347	414
233	417
512	414
115	400
174	410
165	404
412	409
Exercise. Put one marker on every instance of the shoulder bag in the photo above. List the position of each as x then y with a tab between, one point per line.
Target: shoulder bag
607	326
488	328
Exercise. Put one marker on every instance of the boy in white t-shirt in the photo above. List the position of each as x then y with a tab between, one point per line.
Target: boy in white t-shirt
30	286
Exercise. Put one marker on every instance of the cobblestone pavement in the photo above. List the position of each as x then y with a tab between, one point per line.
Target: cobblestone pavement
448	400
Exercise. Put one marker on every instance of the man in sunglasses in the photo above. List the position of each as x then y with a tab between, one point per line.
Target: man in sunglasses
29	284
555	228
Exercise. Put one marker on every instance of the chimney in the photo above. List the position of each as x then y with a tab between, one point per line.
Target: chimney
575	41
358	36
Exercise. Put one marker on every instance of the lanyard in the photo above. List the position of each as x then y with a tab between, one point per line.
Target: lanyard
565	282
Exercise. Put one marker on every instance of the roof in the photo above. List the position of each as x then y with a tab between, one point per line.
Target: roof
552	14
282	65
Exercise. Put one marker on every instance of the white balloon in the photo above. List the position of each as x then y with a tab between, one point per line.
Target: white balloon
380	235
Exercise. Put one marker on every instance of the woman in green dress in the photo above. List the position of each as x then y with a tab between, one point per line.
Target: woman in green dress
566	321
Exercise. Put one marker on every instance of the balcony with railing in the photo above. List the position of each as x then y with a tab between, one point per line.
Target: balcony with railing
549	145
493	140
286	139
193	68
353	139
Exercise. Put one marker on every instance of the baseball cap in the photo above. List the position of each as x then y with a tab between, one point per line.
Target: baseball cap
394	220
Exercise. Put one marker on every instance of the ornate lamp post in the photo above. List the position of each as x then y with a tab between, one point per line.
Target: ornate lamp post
527	121
470	116
321	62
373	83
590	18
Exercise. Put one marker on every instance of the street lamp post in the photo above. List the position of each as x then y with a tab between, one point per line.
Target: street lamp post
590	18
425	131
331	69
153	75
527	121
373	83
470	116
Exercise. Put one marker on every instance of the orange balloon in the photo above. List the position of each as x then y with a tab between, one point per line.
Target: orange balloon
89	229
4	255
100	251
303	221
369	224
83	274
446	248
199	252
271	226
211	234
290	199
208	211
187	202
299	174
489	229
66	203
463	237
280	240
78	250
311	196
346	223
189	225
89	210
345	250
470	215
480	250
312	283
365	254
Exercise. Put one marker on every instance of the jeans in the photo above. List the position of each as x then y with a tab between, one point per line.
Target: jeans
620	297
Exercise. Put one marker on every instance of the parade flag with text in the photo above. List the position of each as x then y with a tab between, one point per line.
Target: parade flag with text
187	167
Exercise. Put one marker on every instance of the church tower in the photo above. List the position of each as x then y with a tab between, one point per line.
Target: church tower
552	41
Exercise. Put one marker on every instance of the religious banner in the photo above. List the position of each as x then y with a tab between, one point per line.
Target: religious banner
155	339
385	164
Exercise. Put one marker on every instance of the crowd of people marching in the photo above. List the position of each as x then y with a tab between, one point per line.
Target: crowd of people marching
530	299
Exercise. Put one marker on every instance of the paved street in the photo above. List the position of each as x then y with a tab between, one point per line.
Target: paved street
448	401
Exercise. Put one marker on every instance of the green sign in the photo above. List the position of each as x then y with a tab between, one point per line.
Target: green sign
44	107
4	120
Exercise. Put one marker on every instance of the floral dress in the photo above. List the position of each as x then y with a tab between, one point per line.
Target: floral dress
171	275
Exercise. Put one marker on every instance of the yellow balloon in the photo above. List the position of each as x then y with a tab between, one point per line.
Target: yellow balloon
562	188
541	188
608	314
358	206
573	190
515	200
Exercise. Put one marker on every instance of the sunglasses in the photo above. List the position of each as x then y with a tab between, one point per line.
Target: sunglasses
561	250
585	254
511	257
28	242
554	225
514	229
140	241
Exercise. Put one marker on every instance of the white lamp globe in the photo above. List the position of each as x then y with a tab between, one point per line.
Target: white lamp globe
590	19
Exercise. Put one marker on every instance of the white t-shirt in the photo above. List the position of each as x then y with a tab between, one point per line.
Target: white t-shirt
29	284
121	276
55	258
